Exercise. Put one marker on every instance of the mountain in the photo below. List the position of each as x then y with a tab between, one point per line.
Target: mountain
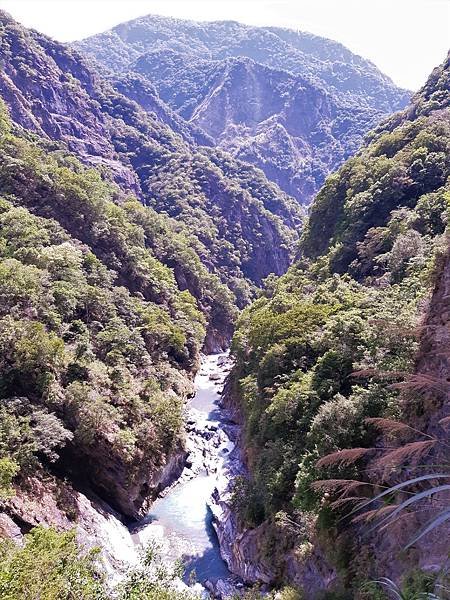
293	104
125	248
240	225
129	239
357	329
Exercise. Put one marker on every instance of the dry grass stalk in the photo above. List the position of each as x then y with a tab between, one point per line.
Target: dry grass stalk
421	382
409	453
370	515
445	423
389	375
389	426
338	486
344	458
346	501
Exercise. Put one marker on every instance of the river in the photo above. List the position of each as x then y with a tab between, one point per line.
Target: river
181	520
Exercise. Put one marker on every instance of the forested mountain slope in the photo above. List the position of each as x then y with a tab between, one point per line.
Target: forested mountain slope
240	225
318	352
97	341
293	104
124	250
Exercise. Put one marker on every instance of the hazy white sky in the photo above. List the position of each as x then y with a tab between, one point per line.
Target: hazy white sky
406	39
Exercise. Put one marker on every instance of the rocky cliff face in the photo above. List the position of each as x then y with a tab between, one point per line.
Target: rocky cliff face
48	91
44	502
291	103
144	93
250	552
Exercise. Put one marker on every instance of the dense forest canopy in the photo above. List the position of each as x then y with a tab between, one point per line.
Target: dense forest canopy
98	340
241	226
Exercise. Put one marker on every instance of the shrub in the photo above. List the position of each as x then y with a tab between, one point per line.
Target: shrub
49	567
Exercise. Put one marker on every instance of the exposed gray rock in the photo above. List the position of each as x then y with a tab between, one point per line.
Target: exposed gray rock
46	501
10	529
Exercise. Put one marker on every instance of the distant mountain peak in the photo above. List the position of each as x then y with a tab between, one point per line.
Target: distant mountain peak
326	97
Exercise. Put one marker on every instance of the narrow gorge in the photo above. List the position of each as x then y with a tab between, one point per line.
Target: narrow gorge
224	266
186	518
185	523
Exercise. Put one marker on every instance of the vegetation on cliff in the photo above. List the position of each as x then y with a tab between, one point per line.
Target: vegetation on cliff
52	566
127	242
97	340
318	352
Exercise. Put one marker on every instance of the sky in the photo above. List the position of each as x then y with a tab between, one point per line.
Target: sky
406	39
